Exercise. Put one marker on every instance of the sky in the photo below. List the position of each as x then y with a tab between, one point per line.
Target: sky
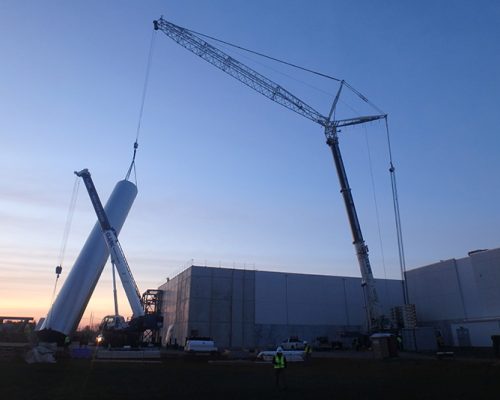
226	177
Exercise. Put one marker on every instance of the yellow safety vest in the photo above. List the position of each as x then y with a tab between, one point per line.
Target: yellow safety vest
279	361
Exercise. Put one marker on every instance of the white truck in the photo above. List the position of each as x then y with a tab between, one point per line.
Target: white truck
200	345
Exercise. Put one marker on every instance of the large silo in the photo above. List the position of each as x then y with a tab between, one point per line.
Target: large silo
69	306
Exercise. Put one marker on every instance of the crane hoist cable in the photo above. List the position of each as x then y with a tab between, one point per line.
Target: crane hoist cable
69	220
141	110
65	237
397	216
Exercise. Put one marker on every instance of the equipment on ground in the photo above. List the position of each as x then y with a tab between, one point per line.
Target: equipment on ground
246	75
16	329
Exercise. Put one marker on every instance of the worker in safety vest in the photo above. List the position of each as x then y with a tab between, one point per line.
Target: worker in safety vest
307	351
279	363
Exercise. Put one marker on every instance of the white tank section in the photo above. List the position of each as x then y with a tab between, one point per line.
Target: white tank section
69	306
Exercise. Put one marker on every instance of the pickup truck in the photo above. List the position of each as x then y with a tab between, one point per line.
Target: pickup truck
293	343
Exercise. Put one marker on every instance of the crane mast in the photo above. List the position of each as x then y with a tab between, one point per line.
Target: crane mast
115	249
278	94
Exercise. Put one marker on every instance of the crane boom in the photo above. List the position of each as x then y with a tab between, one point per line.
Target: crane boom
278	94
115	249
237	70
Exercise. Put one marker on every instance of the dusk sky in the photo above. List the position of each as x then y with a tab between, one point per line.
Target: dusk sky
226	177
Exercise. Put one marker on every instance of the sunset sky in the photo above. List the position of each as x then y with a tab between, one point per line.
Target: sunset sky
225	176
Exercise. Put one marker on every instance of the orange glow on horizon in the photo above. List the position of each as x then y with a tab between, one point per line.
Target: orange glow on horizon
100	305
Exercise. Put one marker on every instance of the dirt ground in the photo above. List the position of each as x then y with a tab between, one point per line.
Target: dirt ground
200	378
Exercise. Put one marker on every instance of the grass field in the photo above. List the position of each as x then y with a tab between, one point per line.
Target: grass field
198	379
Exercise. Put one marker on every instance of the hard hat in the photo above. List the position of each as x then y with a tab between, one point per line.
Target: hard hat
279	349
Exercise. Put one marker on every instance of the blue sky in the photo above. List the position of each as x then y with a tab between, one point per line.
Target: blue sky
225	176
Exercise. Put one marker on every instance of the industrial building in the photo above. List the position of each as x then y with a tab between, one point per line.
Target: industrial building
460	298
249	309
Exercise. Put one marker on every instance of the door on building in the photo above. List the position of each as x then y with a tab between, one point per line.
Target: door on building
463	337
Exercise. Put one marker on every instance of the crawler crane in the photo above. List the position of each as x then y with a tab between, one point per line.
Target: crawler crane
115	331
246	75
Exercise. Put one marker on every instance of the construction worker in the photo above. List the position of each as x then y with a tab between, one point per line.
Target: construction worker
279	363
307	351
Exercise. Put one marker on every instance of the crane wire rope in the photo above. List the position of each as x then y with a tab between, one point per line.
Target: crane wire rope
321	74
397	216
266	56
64	240
267	66
375	201
141	109
69	221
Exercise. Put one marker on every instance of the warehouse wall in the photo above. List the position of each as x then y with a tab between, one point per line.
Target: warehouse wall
222	305
309	306
459	297
486	267
258	309
175	308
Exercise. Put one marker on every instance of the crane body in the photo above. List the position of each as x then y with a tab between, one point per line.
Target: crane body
367	279
117	256
278	94
115	331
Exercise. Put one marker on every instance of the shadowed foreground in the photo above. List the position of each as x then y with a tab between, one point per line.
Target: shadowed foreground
199	379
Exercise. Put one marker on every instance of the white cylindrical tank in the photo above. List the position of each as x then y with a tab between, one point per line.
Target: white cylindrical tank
66	312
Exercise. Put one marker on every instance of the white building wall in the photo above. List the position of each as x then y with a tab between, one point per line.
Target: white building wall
175	307
460	297
436	291
253	308
470	292
486	267
299	299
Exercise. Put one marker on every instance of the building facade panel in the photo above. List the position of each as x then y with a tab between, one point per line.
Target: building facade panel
459	297
469	288
255	309
486	265
270	298
436	291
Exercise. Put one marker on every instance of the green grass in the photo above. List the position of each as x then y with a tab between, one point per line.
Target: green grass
198	379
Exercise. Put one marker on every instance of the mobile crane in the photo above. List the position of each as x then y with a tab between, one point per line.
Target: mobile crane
115	331
246	75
